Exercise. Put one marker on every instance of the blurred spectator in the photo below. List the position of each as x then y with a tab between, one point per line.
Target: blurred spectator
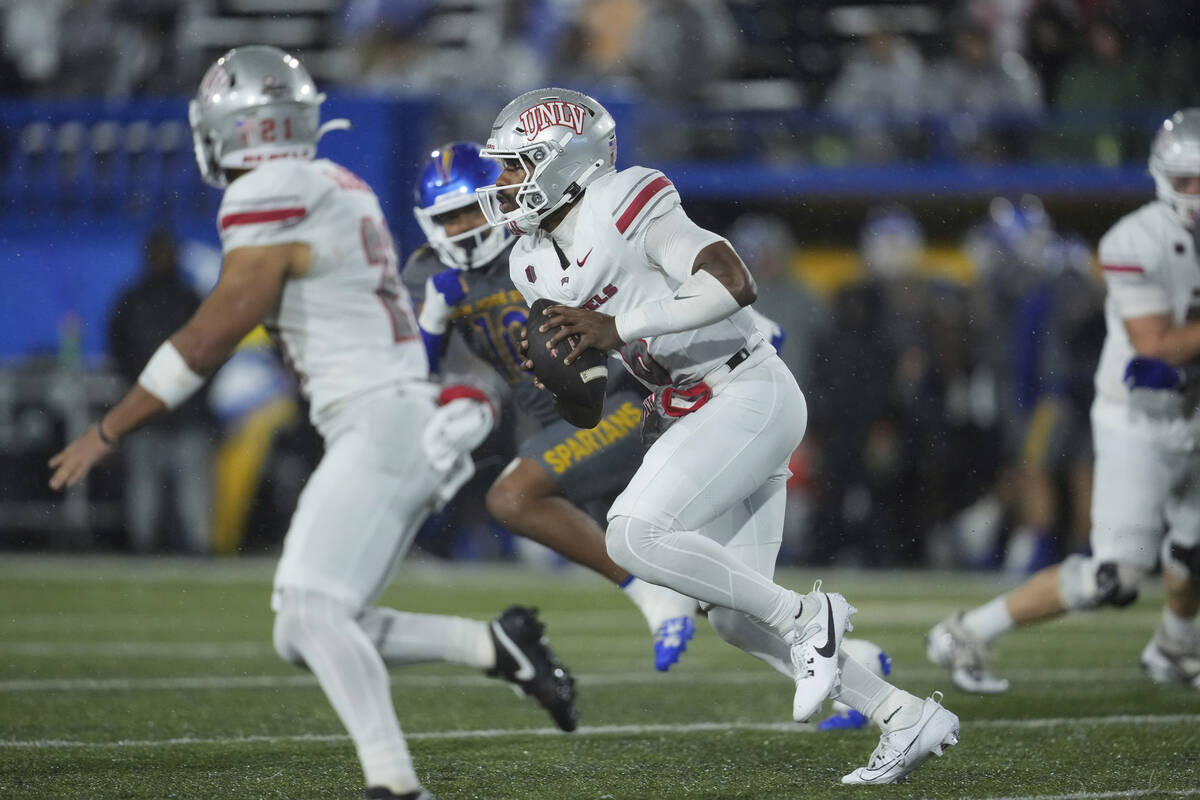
671	48
174	452
880	92
991	89
437	45
1104	75
768	247
1053	28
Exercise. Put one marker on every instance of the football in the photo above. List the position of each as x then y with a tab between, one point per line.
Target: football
578	387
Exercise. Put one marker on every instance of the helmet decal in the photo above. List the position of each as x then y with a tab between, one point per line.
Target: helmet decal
538	118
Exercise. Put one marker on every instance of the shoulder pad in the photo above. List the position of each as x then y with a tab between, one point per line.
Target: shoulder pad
633	196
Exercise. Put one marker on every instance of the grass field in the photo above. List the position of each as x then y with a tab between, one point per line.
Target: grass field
156	679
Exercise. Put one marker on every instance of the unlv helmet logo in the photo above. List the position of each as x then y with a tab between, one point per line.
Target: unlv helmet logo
554	113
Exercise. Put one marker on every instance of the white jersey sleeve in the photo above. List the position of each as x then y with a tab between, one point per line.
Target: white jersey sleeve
1130	255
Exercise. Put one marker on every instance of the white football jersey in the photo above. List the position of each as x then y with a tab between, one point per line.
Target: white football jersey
607	269
1151	267
347	325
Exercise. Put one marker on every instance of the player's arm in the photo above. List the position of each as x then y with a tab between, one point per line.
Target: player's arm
252	279
714	283
1154	336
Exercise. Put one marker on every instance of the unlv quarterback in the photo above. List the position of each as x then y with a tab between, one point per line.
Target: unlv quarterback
307	253
1146	434
704	512
559	471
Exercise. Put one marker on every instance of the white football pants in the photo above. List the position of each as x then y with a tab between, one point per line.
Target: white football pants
704	513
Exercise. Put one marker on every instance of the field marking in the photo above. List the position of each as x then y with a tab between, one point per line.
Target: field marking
602	730
1103	795
740	678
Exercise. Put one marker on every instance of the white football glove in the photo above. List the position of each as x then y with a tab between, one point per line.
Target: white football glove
458	426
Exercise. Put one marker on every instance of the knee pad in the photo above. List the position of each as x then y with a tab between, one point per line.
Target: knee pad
1181	560
1085	583
299	615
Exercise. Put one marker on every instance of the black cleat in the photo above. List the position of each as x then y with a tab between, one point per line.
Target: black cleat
524	659
384	793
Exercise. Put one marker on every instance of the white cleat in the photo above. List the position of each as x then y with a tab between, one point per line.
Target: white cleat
902	751
951	645
815	649
1172	661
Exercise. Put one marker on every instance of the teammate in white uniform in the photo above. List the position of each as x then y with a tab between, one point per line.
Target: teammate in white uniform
307	252
703	514
1146	431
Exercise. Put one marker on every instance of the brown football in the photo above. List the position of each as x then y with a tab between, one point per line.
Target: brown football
579	385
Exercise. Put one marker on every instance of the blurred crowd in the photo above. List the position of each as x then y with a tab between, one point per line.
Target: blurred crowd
873	58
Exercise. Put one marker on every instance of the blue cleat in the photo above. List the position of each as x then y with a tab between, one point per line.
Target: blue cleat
851	720
670	640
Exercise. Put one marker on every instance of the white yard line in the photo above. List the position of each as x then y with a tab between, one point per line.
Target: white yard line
607	730
204	682
1105	795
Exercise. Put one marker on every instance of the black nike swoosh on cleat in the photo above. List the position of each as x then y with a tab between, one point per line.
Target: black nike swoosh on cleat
831	642
888	718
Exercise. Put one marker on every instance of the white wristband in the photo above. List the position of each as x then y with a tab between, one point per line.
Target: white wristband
700	300
168	377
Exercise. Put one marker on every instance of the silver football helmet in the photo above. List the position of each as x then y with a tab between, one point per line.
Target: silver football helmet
564	139
255	104
1175	153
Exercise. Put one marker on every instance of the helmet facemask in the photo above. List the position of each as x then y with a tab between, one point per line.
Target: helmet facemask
471	249
532	196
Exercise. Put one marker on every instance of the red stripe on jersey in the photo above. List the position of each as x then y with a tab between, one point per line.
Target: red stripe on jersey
253	217
1122	268
639	202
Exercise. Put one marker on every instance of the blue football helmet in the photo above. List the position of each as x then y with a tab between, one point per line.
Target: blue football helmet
447	182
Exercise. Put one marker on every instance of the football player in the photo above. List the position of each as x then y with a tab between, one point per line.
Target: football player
307	252
703	513
461	276
1145	430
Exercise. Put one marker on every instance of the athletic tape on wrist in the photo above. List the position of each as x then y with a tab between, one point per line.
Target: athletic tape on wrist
168	377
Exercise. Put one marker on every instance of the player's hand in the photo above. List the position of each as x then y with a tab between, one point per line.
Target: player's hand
526	364
593	329
75	461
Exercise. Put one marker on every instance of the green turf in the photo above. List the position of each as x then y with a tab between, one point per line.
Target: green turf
155	678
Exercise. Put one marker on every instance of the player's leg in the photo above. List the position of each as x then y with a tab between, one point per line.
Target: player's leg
1173	653
355	519
1132	480
561	468
703	465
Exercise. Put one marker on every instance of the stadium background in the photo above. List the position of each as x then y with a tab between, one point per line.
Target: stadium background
821	116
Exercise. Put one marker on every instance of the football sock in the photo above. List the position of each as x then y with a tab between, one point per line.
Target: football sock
381	767
899	710
1177	628
406	638
861	689
990	620
790	612
753	637
657	603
